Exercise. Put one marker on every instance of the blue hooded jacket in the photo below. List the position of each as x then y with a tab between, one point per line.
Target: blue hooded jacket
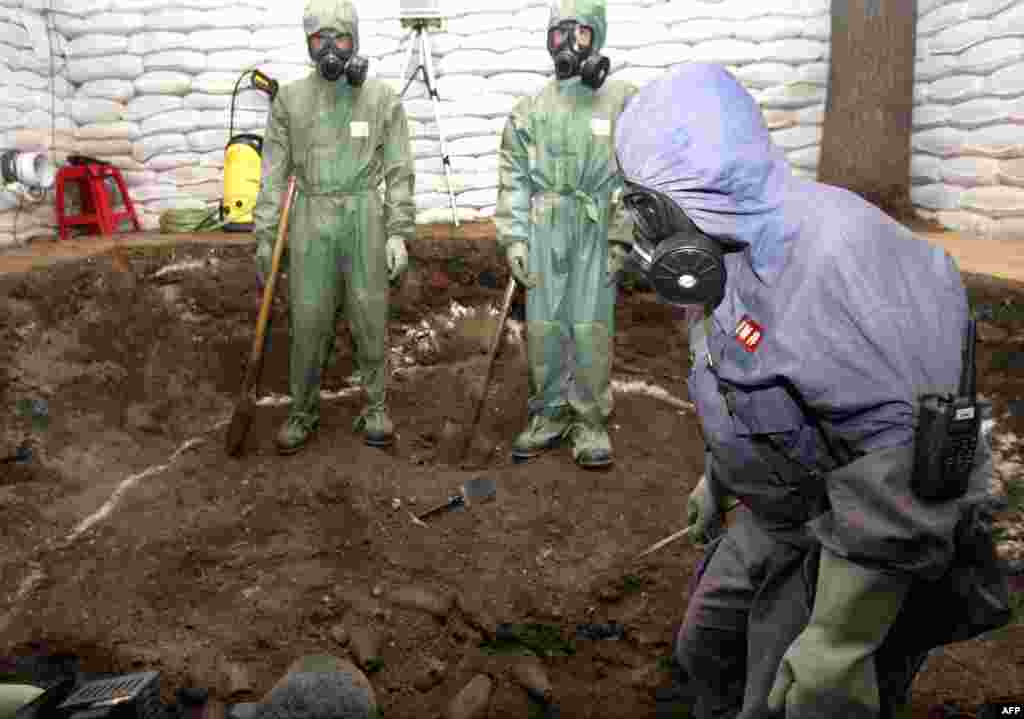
856	314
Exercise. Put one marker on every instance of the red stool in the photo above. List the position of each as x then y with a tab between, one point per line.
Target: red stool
96	206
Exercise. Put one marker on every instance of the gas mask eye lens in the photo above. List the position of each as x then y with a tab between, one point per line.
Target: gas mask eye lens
559	36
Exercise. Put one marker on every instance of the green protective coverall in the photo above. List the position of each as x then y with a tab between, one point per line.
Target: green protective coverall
341	142
560	193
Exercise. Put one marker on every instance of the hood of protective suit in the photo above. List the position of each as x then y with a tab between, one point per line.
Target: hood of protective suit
696	135
338	14
585	12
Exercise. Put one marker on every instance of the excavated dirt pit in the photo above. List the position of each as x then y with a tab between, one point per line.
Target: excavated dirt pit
131	540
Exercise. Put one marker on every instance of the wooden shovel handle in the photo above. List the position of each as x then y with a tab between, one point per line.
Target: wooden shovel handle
495	345
256	358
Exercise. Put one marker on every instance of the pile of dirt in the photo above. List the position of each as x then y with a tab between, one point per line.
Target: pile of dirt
135	542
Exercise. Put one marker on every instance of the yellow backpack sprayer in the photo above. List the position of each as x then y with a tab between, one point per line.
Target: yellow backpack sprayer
243	158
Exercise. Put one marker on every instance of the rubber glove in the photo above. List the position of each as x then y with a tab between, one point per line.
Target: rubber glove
398	258
15	696
617	254
516	255
832	660
703	512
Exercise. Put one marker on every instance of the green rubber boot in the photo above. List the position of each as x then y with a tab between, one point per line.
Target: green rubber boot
591	445
15	696
294	433
544	432
376	426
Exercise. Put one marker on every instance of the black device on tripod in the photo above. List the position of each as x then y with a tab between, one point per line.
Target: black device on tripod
420	16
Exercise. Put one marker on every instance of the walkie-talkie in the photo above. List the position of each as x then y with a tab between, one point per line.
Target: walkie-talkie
947	434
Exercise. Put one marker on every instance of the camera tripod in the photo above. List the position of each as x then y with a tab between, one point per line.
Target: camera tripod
419	36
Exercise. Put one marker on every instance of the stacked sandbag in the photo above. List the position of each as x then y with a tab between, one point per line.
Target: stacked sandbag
967	165
491	55
153	82
35	112
147	84
778	49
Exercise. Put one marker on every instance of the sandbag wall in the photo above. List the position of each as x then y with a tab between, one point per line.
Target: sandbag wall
146	84
151	80
968	142
35	108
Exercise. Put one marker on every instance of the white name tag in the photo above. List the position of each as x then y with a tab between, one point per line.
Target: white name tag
359	128
600	126
966	413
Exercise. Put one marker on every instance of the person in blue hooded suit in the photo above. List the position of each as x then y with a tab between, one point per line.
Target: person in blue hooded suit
816	323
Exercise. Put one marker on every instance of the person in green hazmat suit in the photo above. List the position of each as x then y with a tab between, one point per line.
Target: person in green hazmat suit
562	227
341	135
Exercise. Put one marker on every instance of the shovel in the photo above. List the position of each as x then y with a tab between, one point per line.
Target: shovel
476	490
495	345
241	420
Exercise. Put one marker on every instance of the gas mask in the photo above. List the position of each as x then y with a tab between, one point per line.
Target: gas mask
571	59
332	62
685	266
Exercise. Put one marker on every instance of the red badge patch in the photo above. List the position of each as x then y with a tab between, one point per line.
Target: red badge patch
748	334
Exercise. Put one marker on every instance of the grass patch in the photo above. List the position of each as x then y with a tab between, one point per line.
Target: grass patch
632	583
374	665
1006	360
1001	312
1015	495
542	640
666	664
538	710
455	265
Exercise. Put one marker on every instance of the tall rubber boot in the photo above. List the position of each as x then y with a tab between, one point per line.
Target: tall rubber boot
369	330
591	399
549	411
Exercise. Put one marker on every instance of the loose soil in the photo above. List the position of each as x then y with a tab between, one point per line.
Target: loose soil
206	562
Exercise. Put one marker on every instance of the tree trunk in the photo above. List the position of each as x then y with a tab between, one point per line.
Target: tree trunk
865	144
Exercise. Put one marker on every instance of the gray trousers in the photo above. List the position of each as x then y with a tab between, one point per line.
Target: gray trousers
753	599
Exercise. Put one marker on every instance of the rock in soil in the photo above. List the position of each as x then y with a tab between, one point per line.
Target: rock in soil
477	617
237	679
424	600
644	640
451	440
644	677
473	701
340	635
430	675
992	334
364	643
530	674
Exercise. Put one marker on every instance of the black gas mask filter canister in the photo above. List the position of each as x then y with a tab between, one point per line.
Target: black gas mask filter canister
685	266
332	62
572	60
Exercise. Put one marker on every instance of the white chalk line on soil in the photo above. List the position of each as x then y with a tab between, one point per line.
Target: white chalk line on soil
123	487
32	580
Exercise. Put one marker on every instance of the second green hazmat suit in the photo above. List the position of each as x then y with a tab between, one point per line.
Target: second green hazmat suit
341	138
559	212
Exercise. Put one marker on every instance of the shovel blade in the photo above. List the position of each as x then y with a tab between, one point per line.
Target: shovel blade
238	430
480	489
